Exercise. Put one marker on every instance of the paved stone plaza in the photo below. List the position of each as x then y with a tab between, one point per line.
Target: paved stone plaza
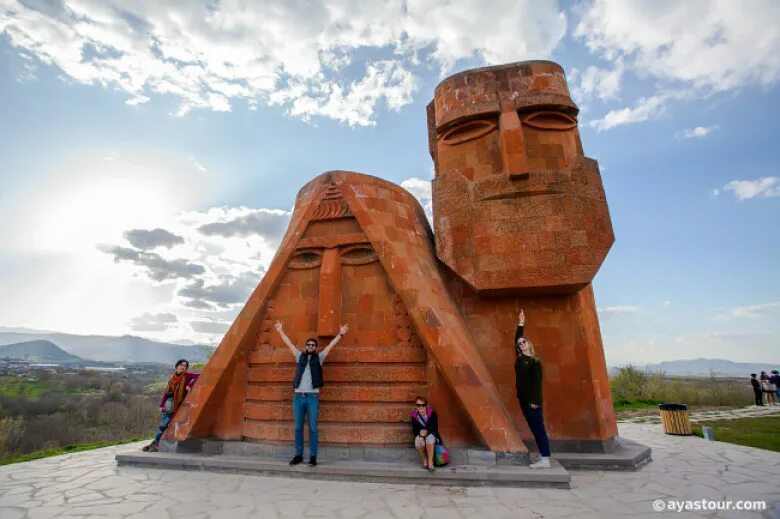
89	484
749	411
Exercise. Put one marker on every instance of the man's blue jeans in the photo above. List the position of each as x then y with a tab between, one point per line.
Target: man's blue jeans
308	404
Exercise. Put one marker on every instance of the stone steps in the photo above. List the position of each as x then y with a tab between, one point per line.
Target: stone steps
366	471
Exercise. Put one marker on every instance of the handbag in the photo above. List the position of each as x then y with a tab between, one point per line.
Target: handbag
769	387
168	405
440	455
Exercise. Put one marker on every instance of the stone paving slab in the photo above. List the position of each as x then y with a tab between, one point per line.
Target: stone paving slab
750	411
90	484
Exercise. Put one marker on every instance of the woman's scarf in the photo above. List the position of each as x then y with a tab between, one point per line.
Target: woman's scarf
177	385
416	416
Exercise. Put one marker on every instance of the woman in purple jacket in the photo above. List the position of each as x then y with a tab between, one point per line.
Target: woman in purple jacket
425	428
177	388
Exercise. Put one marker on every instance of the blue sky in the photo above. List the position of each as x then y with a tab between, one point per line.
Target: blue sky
203	120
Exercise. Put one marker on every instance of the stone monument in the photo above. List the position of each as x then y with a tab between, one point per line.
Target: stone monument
520	221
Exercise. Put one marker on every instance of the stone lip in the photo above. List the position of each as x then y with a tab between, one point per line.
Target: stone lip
494	68
405	473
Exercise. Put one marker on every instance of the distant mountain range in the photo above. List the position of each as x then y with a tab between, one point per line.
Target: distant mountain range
702	367
127	348
38	351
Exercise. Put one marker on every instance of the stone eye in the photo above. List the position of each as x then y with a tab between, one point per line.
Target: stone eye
358	255
305	259
467	131
550	121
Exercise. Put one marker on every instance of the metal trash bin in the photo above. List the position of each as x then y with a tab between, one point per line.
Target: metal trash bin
676	419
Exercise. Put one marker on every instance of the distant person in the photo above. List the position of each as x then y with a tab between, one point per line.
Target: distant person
306	385
176	389
769	388
757	391
775	379
528	380
425	428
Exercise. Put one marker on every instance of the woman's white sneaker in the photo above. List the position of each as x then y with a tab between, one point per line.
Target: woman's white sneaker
541	463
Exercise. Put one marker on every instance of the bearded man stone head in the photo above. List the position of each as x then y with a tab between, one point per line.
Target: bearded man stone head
517	205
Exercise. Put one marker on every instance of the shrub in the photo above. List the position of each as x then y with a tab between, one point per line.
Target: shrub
632	384
11	434
632	387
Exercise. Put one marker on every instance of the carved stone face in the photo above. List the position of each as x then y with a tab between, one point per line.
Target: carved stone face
333	276
333	259
517	207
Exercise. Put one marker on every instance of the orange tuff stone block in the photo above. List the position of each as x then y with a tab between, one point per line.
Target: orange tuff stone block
329	296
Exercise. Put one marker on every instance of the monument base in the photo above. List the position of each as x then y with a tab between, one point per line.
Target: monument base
480	473
625	455
468	467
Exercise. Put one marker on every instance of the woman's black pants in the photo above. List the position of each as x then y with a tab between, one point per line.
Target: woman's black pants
535	420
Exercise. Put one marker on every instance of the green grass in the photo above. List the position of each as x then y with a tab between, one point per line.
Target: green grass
155	388
762	432
68	449
20	387
640	403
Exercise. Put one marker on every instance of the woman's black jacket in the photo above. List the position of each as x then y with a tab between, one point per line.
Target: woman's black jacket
432	427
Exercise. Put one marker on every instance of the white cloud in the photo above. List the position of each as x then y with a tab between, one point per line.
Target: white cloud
355	105
197	165
149	322
419	187
694	48
715	45
145	239
210	326
422	191
766	187
209	270
88	200
596	82
698	132
646	108
137	204
209	55
619	309
752	311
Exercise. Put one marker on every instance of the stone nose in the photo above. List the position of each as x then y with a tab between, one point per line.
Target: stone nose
513	153
329	300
